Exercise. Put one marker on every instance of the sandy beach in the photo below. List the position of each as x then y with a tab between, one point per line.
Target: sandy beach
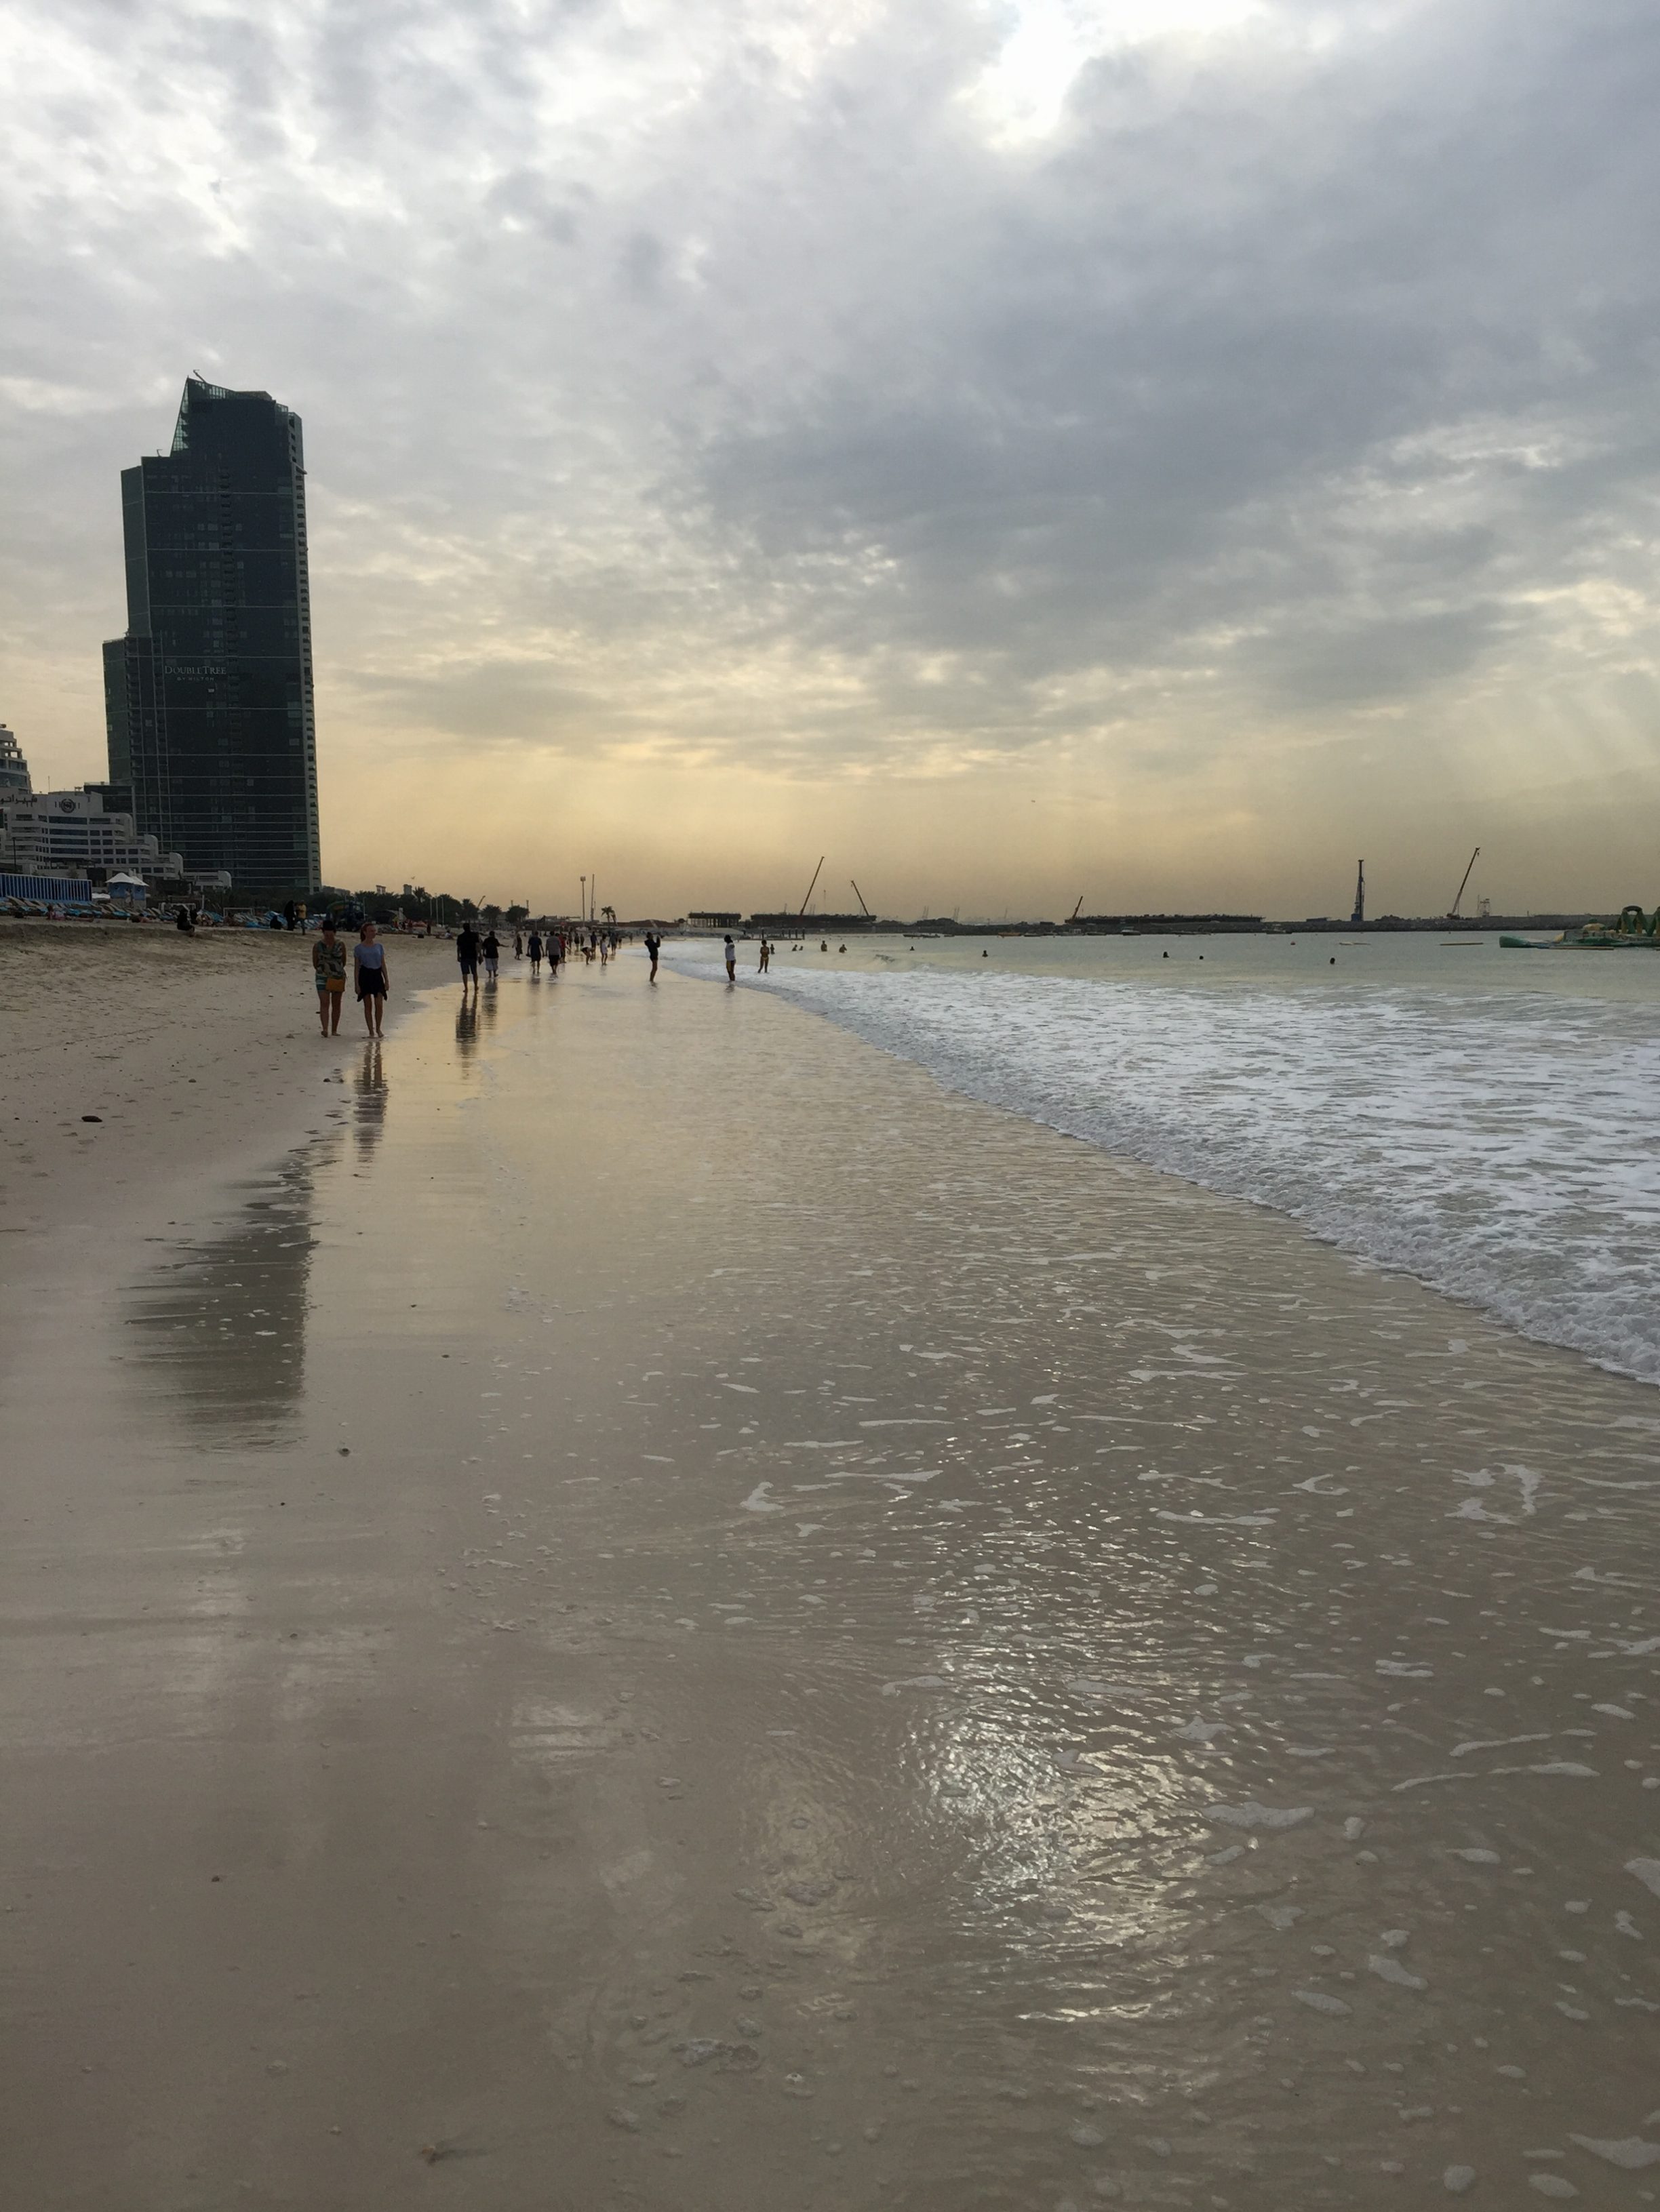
651	1609
195	1054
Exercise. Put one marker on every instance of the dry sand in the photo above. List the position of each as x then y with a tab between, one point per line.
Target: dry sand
672	1617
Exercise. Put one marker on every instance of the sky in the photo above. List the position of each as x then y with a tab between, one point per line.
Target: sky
1152	451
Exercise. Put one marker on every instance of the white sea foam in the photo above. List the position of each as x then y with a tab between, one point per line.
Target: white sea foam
1492	1143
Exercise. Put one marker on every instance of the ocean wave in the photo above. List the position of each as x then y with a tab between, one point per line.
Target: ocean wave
1498	1146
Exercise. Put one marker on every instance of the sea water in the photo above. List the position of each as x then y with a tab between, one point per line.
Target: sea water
1482	1118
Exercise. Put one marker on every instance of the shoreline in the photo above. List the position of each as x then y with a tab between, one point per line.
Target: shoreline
1357	1120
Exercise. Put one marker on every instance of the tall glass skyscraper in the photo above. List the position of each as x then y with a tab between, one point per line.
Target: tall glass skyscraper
209	694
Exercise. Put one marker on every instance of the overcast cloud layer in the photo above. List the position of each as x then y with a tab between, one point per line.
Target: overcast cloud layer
1174	447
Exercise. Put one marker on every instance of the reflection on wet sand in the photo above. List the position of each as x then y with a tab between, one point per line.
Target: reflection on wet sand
221	1327
369	1101
1121	1614
895	1663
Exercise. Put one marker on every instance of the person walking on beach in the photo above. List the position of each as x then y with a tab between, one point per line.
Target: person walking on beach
369	956
466	952
492	954
518	944
654	945
534	949
731	959
328	965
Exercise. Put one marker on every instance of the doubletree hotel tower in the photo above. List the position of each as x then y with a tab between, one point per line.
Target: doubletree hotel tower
209	694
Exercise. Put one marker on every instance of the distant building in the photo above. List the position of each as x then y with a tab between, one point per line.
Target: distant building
712	920
77	833
13	769
209	696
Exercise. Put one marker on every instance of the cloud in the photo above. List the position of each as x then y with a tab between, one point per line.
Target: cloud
895	391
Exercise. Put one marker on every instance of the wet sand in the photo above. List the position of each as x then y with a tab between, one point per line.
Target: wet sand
673	1616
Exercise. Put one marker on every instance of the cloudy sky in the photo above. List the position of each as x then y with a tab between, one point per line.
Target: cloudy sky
1158	449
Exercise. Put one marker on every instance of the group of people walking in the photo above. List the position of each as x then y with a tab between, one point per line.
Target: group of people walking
372	978
471	949
370	973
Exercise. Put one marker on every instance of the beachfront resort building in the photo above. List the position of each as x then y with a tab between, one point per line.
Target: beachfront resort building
209	696
13	769
90	833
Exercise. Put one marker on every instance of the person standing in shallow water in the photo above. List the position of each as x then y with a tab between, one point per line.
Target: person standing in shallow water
328	967
765	961
369	957
534	948
731	959
492	954
653	946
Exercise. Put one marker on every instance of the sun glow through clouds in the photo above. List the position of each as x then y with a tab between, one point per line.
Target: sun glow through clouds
1022	95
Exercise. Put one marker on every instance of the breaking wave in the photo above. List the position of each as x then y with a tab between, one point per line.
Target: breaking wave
1500	1147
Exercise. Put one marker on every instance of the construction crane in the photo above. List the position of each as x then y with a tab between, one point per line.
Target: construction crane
810	886
1076	911
860	896
1452	911
1359	914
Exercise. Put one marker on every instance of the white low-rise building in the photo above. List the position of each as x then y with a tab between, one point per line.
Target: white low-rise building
76	833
